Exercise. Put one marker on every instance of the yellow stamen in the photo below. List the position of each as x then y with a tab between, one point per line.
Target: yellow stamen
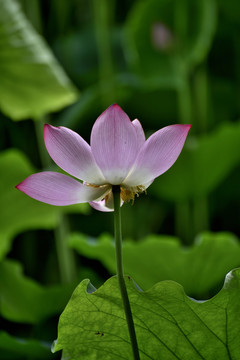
128	194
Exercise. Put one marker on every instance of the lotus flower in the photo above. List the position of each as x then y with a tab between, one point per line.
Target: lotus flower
118	155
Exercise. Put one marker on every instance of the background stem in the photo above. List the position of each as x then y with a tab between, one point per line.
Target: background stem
200	89
44	156
183	223
67	268
121	281
103	14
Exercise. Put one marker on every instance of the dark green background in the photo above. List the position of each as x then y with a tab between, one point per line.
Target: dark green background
74	59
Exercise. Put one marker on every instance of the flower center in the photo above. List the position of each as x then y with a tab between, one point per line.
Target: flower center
128	194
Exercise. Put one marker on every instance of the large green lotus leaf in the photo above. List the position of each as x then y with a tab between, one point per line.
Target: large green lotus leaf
182	43
32	82
203	164
198	268
169	325
21	349
18	211
24	300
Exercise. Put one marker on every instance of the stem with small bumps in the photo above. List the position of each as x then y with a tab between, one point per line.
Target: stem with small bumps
120	276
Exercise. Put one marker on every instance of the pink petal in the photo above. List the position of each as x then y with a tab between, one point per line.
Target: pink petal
114	144
72	153
139	131
58	189
158	154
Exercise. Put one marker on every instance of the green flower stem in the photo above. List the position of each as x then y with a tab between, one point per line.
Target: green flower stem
121	281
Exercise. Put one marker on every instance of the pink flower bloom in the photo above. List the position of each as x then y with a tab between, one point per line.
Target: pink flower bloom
118	155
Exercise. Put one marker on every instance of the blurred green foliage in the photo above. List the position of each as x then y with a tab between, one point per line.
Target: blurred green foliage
159	257
163	62
32	82
21	349
28	307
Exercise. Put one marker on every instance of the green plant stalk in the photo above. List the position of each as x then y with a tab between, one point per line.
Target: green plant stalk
103	13
183	221
181	18
200	214
65	256
32	10
120	274
200	83
44	156
60	14
67	268
191	217
185	101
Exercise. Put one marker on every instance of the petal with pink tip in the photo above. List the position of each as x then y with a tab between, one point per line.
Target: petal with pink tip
105	205
139	131
114	144
158	154
72	153
100	206
58	189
